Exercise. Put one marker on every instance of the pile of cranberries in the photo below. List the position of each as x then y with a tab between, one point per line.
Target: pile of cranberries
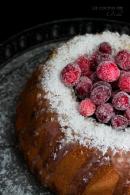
101	83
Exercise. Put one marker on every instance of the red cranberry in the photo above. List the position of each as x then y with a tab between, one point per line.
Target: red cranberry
108	71
123	59
87	107
98	57
84	65
100	94
101	57
121	101
124	82
119	122
104	113
98	83
83	87
127	114
105	47
70	74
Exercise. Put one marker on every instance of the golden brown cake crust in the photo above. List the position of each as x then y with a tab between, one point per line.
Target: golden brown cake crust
68	170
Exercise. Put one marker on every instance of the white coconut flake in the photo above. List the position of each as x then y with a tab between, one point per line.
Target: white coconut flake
84	130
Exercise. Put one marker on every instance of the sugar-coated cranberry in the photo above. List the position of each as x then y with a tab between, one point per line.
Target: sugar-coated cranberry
121	101
108	71
98	83
83	88
123	59
124	82
105	47
100	94
87	107
70	74
101	57
119	122
101	84
84	64
97	57
127	115
104	112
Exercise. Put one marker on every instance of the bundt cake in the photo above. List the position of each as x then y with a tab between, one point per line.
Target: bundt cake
73	117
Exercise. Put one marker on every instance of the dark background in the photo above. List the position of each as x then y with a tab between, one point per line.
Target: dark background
19	16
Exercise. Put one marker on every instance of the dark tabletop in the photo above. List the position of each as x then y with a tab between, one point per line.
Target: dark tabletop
19	15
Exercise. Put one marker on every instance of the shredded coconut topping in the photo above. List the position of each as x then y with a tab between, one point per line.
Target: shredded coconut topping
84	130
